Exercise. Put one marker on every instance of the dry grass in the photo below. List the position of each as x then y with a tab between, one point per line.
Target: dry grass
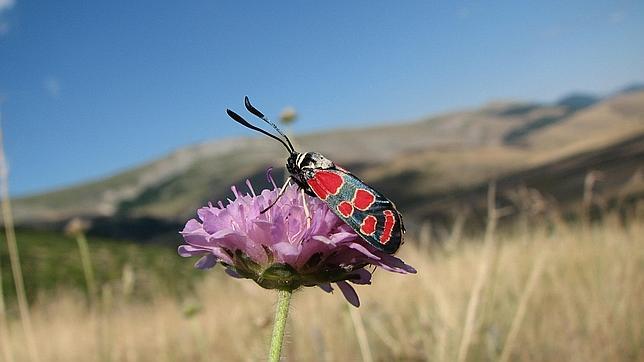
583	303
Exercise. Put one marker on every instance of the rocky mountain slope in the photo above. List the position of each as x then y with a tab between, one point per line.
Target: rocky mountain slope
429	167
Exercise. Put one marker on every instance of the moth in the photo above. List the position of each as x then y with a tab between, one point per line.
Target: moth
370	214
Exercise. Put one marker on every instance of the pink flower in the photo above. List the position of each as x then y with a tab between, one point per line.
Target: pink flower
277	249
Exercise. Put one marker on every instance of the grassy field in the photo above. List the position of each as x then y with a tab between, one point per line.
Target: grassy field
51	262
566	293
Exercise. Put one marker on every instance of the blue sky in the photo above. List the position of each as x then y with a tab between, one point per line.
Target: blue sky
89	88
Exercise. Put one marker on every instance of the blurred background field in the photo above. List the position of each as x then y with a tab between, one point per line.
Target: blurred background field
51	261
510	136
552	292
558	275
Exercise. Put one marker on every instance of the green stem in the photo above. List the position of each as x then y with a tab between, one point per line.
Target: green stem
86	261
281	313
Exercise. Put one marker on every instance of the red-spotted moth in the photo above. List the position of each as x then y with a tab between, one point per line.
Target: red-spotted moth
365	210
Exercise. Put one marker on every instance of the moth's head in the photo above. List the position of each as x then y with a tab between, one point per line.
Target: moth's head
291	163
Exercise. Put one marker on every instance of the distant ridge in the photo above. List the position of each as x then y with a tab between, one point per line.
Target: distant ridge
577	101
632	88
568	104
423	166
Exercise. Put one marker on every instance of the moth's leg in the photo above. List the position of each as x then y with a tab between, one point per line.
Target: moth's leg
282	190
306	210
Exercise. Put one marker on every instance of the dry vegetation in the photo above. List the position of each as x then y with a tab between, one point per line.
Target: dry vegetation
555	292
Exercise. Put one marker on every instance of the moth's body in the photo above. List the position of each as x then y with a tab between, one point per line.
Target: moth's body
369	213
366	210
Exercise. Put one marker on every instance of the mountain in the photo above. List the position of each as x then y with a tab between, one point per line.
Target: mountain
429	167
577	101
632	88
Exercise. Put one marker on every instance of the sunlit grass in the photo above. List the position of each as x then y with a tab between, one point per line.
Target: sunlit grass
583	304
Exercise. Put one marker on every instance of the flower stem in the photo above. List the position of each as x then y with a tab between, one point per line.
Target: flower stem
86	261
281	313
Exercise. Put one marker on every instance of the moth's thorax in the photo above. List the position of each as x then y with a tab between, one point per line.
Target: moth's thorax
299	162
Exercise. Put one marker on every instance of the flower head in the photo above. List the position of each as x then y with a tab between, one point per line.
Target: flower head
281	249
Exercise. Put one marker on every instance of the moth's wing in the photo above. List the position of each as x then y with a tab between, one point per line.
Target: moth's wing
366	210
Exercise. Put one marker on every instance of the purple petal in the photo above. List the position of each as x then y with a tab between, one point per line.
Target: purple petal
286	252
260	230
323	239
192	225
234	240
326	287
363	250
206	213
391	263
189	250
232	273
349	293
362	276
344	236
206	262
195	236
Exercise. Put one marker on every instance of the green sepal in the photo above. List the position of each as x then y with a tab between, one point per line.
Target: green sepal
279	276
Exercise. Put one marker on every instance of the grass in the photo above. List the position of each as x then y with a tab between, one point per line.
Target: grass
564	293
52	262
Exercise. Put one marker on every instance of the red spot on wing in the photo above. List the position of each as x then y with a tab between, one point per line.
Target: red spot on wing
317	188
363	199
368	226
345	208
331	181
325	183
390	221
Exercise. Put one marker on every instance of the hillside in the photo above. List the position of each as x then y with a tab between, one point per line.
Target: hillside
429	166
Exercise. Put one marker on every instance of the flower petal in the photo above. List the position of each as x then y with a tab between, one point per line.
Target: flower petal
323	239
233	273
234	240
349	293
189	250
206	262
363	250
205	213
391	263
197	237
343	237
192	225
362	276
326	287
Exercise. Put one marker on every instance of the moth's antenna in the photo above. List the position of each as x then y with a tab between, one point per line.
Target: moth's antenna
237	118
259	114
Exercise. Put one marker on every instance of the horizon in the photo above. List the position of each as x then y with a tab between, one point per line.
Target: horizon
89	91
253	135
